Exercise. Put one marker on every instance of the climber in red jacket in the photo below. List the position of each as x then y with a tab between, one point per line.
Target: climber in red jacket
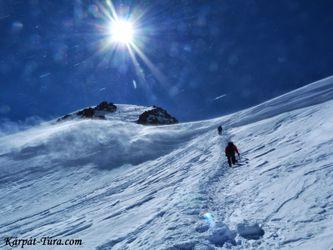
230	152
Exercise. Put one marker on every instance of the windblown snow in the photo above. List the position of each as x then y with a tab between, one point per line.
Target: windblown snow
116	184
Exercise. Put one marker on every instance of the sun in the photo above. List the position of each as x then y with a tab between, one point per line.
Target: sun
125	32
122	32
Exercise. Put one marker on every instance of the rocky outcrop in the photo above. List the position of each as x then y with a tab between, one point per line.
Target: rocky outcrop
86	113
156	116
97	112
105	106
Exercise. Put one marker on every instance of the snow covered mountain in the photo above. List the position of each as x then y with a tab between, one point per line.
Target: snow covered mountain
116	184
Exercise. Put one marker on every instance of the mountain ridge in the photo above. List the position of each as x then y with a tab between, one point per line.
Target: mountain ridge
116	184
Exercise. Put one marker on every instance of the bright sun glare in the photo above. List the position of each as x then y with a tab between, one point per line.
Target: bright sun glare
122	31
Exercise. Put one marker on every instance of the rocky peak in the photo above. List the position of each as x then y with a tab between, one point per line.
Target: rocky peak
156	116
97	112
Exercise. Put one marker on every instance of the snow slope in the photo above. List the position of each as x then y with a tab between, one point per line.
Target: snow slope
119	185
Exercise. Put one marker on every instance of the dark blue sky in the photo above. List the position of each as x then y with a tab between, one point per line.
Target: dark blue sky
51	61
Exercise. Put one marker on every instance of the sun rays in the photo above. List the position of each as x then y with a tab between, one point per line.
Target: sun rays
124	36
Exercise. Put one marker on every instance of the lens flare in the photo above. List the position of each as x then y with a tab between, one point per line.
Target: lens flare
209	219
124	30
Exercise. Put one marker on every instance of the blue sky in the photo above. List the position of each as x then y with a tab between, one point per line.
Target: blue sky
208	58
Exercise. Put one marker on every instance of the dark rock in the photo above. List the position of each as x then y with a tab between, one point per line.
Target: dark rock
97	112
105	106
156	116
86	113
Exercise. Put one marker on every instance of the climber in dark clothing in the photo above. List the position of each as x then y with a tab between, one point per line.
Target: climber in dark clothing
219	130
230	152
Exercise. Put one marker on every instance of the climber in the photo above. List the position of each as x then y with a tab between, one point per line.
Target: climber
230	152
219	130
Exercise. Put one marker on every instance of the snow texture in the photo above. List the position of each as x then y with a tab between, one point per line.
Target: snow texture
116	184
